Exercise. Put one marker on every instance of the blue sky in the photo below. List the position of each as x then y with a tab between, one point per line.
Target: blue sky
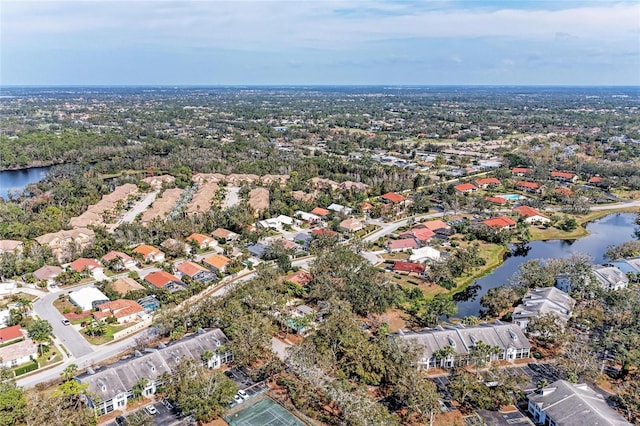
319	42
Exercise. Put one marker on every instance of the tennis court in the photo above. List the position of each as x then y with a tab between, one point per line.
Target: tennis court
263	413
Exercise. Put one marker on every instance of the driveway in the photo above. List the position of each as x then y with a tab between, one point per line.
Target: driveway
232	196
141	206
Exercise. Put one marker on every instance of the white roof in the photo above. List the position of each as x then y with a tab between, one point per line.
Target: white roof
424	253
307	217
86	296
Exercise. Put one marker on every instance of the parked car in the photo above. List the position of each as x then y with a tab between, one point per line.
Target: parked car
242	394
238	399
121	421
150	409
66	322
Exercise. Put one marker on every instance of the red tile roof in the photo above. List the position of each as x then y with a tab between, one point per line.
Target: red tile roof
526	211
418	268
325	232
402	244
434	224
301	278
499	222
366	206
82	263
595	179
516	170
465	187
563	175
217	261
496	200
319	211
199	238
563	191
422	234
190	268
161	278
488	181
146	250
393	197
525	184
8	334
113	255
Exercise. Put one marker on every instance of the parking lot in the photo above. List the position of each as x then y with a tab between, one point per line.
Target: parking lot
244	383
539	372
164	415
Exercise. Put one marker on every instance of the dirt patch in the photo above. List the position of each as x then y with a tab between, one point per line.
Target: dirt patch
396	319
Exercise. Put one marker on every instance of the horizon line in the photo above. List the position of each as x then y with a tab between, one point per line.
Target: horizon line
175	86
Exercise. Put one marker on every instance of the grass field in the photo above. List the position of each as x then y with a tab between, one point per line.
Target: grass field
493	254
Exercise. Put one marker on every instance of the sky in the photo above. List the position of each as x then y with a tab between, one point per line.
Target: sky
317	42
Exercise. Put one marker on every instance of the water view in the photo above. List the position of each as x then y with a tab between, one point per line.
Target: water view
613	229
15	181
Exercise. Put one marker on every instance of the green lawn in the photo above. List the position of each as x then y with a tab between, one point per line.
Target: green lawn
493	254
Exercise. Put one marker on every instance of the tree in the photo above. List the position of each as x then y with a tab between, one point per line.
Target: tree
40	331
481	353
444	352
547	328
578	362
139	387
419	394
95	328
69	372
57	409
13	405
500	299
198	391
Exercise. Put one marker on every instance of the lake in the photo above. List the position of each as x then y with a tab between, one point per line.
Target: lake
16	180
613	229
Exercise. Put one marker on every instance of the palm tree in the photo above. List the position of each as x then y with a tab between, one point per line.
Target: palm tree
444	352
24	304
69	372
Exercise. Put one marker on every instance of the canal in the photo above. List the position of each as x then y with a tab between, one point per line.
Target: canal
613	229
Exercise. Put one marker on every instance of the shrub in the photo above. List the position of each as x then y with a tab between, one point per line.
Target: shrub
23	369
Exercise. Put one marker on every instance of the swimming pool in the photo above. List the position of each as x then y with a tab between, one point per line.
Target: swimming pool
510	197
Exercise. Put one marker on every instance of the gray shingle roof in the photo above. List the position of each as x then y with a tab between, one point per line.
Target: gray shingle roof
568	405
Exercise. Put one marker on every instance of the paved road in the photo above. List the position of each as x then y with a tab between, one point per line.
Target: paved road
139	208
232	196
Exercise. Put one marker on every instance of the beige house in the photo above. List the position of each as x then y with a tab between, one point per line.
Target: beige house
11	246
64	244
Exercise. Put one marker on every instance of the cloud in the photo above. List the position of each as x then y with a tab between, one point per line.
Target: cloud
455	58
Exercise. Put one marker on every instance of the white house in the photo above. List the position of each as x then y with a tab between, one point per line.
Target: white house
17	348
111	387
541	301
611	278
276	222
424	253
340	209
567	404
87	298
307	217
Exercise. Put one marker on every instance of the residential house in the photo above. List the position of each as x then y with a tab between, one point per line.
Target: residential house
87	298
202	241
402	245
423	253
563	191
111	387
149	254
86	265
541	301
276	222
122	310
338	208
64	244
520	171
118	261
351	225
124	285
195	272
508	337
366	207
499	223
611	278
47	273
257	250
307	217
225	235
319	211
392	197
165	280
531	215
15	347
564	177
216	263
156	182
464	188
498	201
11	246
487	182
433	225
409	267
324	232
527	186
422	235
300	278
302	239
11	334
595	180
566	404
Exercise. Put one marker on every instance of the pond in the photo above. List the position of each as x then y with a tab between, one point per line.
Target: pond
613	229
15	181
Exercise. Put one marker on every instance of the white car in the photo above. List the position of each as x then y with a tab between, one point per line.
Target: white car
238	399
150	409
242	394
